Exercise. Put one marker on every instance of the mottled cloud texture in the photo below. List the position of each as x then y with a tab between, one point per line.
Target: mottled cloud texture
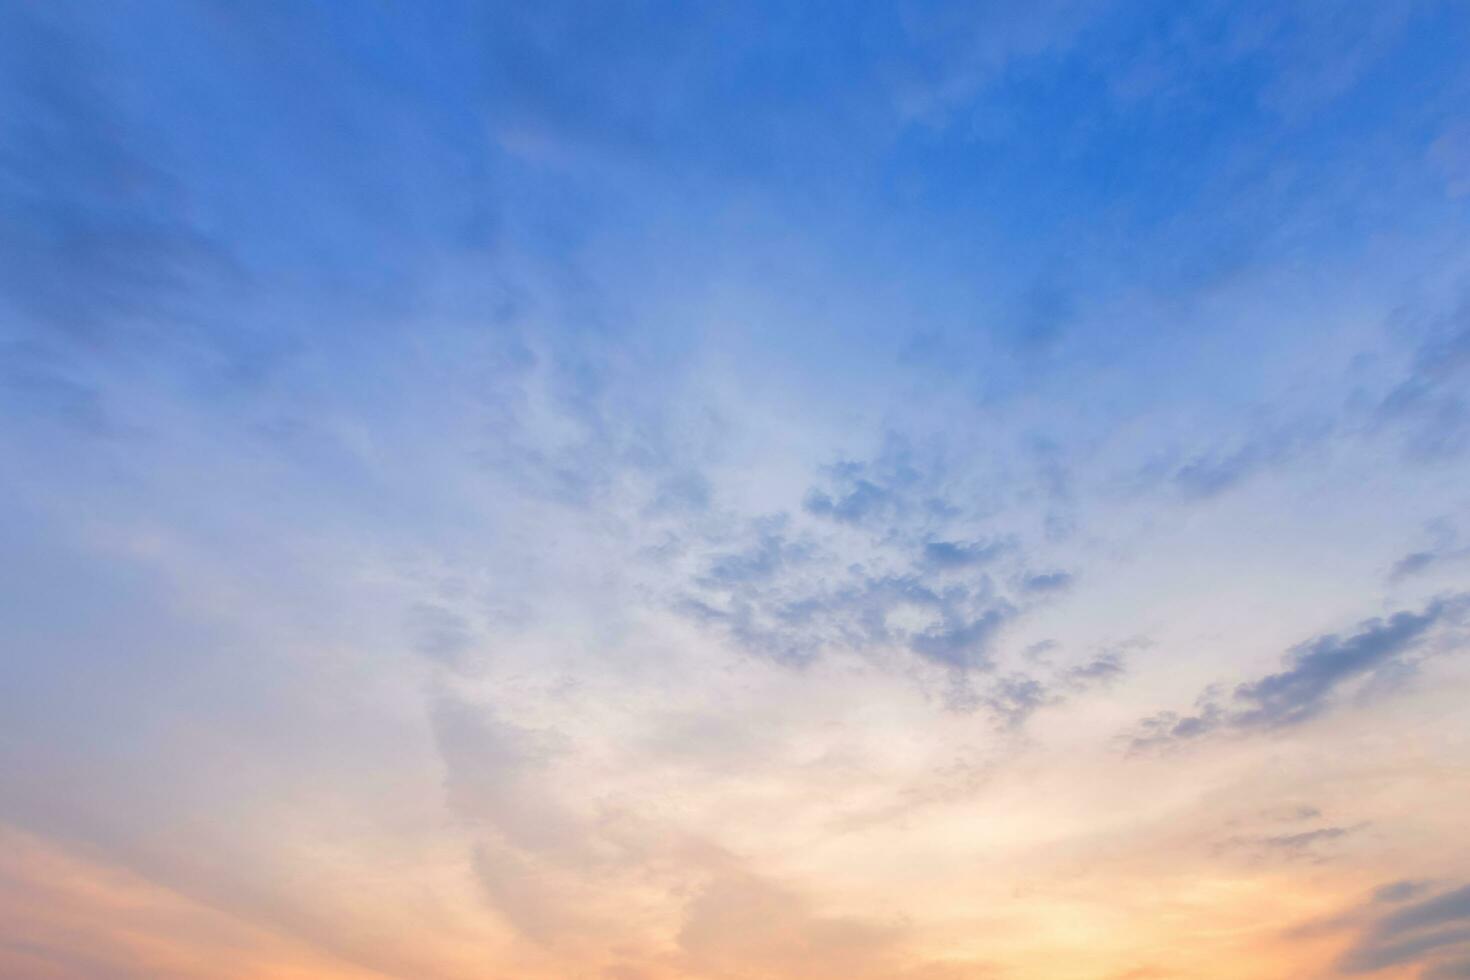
931	490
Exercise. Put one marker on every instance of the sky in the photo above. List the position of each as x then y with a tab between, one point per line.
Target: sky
645	490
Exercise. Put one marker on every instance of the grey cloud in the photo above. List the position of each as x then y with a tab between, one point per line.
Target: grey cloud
1047	582
1315	673
861	500
787	587
1303	845
1414	562
1016	699
781	595
794	621
962	554
1318	667
895	493
1399	891
1380	953
758	564
1432	932
1168	728
962	642
1444	550
1450	907
863	493
1101	670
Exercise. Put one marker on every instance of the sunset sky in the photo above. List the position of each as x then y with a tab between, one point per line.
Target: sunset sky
763	490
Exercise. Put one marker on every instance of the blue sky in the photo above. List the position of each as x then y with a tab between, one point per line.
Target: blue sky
647	490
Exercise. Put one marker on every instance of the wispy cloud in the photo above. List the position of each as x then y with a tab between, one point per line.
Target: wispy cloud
1315	672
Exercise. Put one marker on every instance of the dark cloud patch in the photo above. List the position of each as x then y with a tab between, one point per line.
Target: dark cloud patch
1306	845
769	556
865	493
1015	699
1413	563
895	493
1315	674
861	500
1047	583
959	641
1169	728
788	591
927	581
1317	668
1445	549
962	554
1432	933
1099	671
1399	891
793	618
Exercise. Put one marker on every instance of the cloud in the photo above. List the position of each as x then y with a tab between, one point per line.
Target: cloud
1315	673
1444	550
756	565
1016	699
1047	582
1399	891
1319	667
1429	405
959	641
869	565
1433	933
1101	670
1305	845
1211	474
962	554
890	491
795	621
